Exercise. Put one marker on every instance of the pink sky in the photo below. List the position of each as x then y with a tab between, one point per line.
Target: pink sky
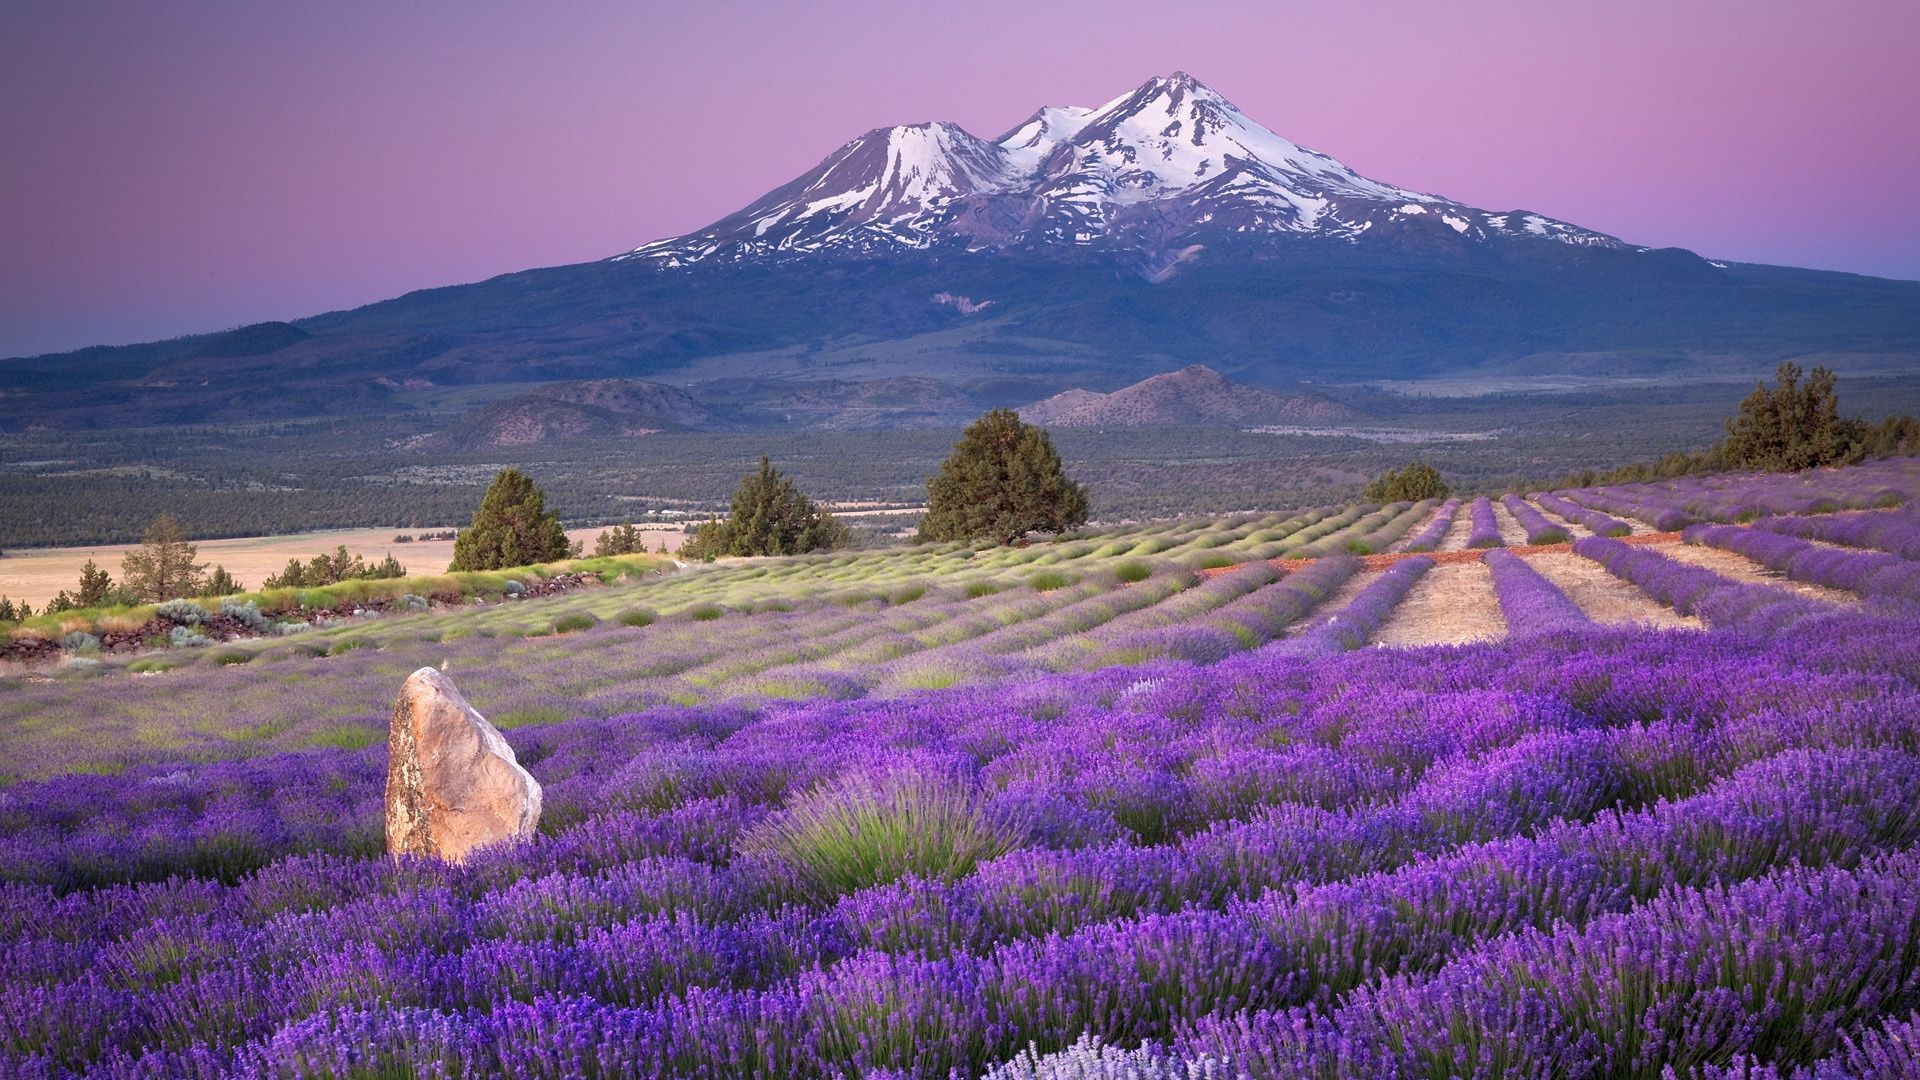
178	167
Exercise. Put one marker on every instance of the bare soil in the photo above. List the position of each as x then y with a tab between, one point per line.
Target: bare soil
1457	533
1606	599
1450	604
1512	534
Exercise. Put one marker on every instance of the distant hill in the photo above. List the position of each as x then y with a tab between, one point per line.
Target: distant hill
1194	396
598	408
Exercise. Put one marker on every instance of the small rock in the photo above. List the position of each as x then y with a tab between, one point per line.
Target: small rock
452	781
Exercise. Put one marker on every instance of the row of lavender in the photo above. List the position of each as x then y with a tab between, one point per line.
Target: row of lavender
1376	862
1670	505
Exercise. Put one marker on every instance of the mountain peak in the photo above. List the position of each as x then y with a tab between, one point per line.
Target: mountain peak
1153	178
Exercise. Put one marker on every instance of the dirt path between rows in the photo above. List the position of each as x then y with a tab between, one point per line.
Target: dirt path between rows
1605	598
1512	533
1450	604
1462	527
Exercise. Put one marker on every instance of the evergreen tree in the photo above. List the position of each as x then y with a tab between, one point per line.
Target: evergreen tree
769	516
96	586
8	613
162	568
1003	481
511	528
1792	426
221	583
388	567
1417	481
622	539
294	576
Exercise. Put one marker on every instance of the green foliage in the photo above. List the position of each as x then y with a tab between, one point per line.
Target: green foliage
1133	570
1792	426
1003	480
229	657
1418	480
769	516
511	527
1049	580
862	830
636	617
977	589
221	583
579	620
622	539
162	567
331	569
96	587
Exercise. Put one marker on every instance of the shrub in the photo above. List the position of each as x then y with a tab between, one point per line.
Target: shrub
977	589
1049	580
80	642
185	612
579	620
706	612
248	614
636	617
229	657
908	595
187	637
1132	571
348	645
867	829
411	602
1415	482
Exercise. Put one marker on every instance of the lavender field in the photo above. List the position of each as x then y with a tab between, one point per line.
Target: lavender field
1137	802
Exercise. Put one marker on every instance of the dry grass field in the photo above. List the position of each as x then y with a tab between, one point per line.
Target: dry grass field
36	574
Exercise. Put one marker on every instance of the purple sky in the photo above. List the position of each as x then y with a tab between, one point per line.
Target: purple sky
185	166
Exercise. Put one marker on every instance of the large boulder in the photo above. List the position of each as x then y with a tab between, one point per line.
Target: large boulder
452	781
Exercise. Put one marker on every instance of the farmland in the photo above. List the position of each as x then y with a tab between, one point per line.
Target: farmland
1591	782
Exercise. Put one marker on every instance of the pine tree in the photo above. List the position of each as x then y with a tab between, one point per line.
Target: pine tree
622	539
162	568
221	583
1003	481
769	516
96	586
1792	426
511	528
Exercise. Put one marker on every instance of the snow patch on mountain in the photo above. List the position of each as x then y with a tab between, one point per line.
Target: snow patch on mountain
1156	174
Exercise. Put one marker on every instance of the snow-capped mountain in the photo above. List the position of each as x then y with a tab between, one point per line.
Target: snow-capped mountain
1157	175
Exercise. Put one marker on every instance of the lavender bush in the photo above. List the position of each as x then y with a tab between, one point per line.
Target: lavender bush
1539	529
1530	603
1486	529
1870	573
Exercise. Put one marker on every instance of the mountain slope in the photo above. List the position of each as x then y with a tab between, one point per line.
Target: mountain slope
1156	174
1084	247
1194	396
